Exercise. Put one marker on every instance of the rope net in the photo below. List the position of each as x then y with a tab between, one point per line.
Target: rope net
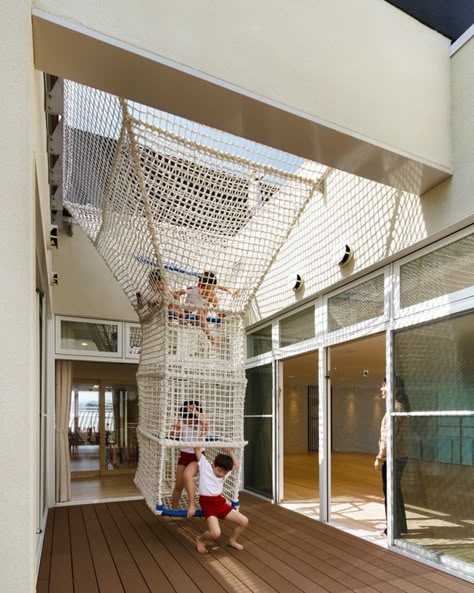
189	219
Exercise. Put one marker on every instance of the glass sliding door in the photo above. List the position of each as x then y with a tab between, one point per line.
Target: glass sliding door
103	428
84	429
258	431
121	419
300	438
434	363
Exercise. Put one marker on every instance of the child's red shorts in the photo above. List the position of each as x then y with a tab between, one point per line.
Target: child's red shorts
214	506
186	458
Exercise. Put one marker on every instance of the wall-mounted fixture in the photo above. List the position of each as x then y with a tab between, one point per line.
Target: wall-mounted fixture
53	236
55	279
296	282
343	254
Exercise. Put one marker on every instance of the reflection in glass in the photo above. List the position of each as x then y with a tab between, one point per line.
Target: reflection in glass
95	337
83	430
259	390
135	340
121	419
259	342
439	490
446	270
258	456
258	431
434	360
297	327
360	303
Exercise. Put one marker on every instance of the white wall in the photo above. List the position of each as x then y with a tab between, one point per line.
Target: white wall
86	285
17	298
344	64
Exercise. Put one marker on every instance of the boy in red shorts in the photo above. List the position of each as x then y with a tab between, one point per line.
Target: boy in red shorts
213	504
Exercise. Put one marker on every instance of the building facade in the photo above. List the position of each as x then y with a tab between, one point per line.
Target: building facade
399	141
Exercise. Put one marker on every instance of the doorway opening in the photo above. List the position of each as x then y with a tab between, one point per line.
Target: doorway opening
357	370
103	431
301	434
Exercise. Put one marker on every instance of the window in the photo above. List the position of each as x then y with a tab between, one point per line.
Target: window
259	342
88	337
357	304
447	270
297	327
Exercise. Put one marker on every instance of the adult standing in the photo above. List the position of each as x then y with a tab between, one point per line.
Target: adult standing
401	404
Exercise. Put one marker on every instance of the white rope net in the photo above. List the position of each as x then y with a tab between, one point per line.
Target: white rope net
189	219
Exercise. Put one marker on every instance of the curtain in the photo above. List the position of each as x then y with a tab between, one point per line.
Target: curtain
63	406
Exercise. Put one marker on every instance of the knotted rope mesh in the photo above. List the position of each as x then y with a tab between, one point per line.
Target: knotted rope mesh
189	219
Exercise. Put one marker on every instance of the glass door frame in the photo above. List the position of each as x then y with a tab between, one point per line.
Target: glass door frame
89	473
101	471
43	424
103	383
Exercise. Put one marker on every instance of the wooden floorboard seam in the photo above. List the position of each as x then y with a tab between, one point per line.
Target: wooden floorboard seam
382	557
122	547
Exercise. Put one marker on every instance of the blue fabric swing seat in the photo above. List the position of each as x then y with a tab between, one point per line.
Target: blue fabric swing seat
193	317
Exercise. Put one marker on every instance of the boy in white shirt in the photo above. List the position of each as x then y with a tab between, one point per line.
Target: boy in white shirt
213	504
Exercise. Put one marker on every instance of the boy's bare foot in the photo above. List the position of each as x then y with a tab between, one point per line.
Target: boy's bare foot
200	546
236	545
191	510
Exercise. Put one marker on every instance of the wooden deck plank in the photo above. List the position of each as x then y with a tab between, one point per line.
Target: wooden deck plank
106	572
345	546
242	570
61	563
197	572
150	570
83	571
289	551
129	573
334	566
232	576
257	563
123	548
172	568
415	574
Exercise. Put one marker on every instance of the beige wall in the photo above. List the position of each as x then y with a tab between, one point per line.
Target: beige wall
18	394
375	220
454	198
333	62
295	417
86	286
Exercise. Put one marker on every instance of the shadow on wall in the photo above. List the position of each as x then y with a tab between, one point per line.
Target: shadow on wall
376	220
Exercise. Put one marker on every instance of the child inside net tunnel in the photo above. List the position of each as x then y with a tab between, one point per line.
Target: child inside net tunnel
199	299
151	299
191	427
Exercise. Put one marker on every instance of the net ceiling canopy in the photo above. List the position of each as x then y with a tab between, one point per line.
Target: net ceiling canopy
154	190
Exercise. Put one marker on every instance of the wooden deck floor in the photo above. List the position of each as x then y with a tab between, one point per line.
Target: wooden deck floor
122	547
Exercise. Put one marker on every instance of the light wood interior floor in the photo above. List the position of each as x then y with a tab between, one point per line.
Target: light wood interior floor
357	497
103	487
357	504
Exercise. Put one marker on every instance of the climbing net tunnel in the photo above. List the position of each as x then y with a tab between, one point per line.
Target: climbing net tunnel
189	219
